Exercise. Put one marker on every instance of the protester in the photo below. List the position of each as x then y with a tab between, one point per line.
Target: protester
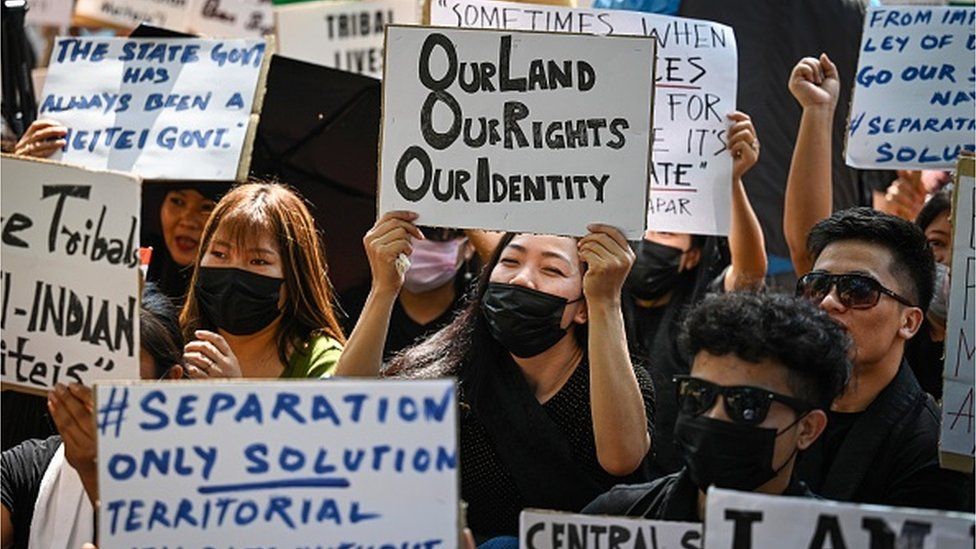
441	270
765	370
260	301
49	486
674	271
553	412
42	139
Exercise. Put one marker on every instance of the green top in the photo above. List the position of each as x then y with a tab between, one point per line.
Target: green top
316	359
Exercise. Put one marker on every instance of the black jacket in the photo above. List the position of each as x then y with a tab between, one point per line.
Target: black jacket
890	456
673	498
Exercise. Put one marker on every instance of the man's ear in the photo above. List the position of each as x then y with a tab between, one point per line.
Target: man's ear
811	427
581	316
911	321
690	259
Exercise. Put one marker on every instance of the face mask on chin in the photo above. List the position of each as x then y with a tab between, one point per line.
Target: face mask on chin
524	321
237	301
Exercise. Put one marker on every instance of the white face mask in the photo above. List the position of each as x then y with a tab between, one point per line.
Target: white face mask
939	308
433	264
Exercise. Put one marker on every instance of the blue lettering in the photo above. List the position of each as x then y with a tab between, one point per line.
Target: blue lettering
256	454
446	460
158	514
184	412
884	153
163	419
357	516
408	409
113	509
356	400
235	102
286	402
246	512
291	459
122	466
219	402
277	506
160	460
434	410
322	409
250	410
132	520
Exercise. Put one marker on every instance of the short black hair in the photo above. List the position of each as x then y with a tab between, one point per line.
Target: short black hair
159	329
787	330
940	203
914	264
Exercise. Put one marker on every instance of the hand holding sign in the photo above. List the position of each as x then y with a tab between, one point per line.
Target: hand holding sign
385	243
210	357
815	82
608	259
743	144
73	411
42	139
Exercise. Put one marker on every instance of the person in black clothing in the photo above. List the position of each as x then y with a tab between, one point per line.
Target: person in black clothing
764	372
673	271
873	273
440	274
552	409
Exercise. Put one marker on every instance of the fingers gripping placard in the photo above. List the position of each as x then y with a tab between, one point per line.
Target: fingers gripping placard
516	131
70	280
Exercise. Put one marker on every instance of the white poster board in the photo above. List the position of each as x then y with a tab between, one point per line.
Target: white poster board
741	520
50	13
170	108
231	18
914	90
571	149
279	464
691	183
540	529
69	283
343	35
127	14
960	344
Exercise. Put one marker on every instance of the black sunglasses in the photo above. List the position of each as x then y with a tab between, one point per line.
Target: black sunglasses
855	291
743	404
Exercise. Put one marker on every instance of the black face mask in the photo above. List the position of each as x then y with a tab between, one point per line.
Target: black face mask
726	454
525	321
237	301
655	270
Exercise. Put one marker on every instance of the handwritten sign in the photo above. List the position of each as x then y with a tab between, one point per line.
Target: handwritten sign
960	348
169	108
342	35
691	181
282	464
518	131
231	18
171	14
553	530
741	520
915	88
69	284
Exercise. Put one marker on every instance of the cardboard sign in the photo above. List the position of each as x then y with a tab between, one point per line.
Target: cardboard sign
741	520
70	279
280	464
170	14
540	529
518	131
169	108
231	18
691	181
960	346
342	35
914	92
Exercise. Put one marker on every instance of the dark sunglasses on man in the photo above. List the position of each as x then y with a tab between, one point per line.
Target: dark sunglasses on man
743	403
854	291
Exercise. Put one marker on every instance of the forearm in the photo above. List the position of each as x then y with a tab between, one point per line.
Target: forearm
363	352
809	188
746	244
89	480
618	413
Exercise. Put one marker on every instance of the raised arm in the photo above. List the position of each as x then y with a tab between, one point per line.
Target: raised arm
746	243
385	242
619	417
809	189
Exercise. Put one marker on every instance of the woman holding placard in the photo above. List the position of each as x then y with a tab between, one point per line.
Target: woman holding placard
260	302
552	408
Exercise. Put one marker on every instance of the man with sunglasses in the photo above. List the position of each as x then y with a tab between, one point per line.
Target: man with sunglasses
873	273
765	369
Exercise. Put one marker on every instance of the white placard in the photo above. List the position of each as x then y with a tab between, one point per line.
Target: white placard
914	92
342	35
741	520
51	13
571	149
231	18
170	14
691	183
69	284
960	343
170	108
278	464
539	529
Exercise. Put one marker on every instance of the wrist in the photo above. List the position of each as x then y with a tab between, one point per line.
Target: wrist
820	109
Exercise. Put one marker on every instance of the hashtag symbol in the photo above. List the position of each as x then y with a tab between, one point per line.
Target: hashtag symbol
114	411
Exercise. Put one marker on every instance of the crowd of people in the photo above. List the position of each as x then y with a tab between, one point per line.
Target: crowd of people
594	374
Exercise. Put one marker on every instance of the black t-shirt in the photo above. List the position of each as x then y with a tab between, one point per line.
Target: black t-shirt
838	426
926	359
21	471
23	417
